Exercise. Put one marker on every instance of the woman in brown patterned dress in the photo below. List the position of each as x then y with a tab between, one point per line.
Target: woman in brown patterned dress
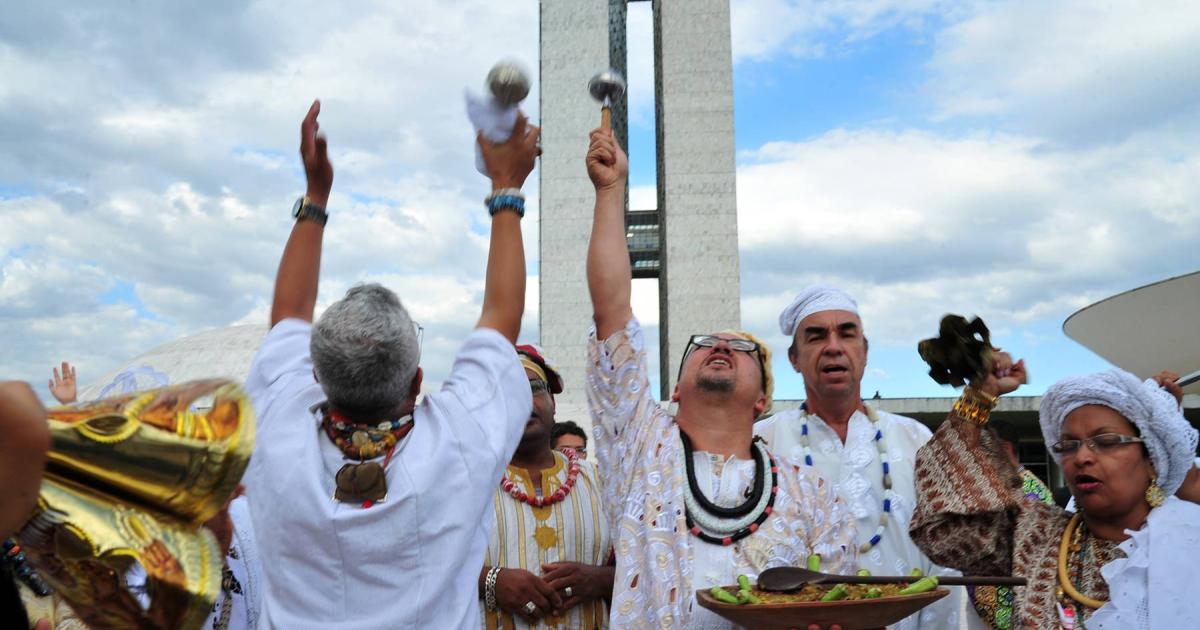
1124	447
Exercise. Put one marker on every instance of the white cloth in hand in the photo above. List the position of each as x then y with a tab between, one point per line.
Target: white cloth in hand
496	121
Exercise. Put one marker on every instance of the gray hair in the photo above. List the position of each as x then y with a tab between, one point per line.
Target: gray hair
365	350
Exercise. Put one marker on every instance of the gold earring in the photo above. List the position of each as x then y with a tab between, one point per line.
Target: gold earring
1154	494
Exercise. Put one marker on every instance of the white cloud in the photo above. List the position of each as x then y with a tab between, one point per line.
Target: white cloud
917	224
809	28
1077	70
145	186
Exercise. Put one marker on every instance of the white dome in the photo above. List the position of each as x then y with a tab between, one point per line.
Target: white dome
219	353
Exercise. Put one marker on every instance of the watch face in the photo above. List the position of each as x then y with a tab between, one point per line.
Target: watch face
296	208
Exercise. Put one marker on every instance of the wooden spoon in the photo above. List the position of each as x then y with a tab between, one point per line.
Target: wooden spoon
794	578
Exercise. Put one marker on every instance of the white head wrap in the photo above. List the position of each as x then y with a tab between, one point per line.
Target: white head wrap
814	299
1169	438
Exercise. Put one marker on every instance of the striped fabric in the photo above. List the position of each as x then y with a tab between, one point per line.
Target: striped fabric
573	530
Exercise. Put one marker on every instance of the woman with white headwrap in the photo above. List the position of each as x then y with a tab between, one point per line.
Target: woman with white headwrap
1124	446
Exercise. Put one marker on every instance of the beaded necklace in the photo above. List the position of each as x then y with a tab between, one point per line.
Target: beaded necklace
359	440
558	496
365	482
715	526
881	446
1068	595
14	559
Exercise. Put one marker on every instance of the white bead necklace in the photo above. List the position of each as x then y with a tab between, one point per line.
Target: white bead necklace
881	446
720	527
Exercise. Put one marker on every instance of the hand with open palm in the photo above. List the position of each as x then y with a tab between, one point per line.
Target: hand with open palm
62	386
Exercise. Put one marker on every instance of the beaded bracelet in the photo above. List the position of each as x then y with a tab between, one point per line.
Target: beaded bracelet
506	199
975	406
14	560
489	589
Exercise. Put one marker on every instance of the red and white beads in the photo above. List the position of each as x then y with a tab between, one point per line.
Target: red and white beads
558	496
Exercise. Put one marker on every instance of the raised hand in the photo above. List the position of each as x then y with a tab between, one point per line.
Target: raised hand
607	164
1005	376
511	161
62	387
315	155
1167	380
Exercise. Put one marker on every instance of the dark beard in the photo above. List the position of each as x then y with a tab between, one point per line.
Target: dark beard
715	384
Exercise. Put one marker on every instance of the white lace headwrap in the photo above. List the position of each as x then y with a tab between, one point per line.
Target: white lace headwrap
1169	437
814	299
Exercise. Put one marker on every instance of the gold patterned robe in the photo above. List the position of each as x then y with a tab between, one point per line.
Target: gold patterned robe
573	530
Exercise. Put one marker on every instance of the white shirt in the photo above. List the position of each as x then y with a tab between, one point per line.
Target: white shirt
856	471
1153	586
413	560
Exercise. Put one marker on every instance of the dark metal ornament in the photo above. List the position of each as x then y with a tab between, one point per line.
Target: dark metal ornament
364	482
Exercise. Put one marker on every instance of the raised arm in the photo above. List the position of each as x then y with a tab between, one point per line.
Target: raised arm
968	492
300	266
504	289
24	439
609	276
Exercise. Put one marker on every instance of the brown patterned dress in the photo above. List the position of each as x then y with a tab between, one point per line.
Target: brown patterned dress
972	515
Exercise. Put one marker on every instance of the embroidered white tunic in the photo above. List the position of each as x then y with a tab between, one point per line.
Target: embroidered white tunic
659	563
573	530
857	473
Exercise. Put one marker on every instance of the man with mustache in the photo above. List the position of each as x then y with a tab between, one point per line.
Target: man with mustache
867	453
693	500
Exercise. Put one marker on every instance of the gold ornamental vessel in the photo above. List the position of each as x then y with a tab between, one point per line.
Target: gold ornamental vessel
130	481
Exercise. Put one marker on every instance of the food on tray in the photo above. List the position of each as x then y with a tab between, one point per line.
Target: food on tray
747	593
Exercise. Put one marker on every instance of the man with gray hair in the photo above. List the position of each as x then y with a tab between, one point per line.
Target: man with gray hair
867	453
372	511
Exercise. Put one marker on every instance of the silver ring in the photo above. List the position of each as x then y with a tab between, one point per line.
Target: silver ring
531	608
567	591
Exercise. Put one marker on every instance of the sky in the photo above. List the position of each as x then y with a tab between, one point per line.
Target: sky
1013	160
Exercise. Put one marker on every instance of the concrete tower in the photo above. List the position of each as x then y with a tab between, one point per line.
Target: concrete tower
698	283
689	242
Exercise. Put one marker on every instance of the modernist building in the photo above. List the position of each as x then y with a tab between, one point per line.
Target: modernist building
689	241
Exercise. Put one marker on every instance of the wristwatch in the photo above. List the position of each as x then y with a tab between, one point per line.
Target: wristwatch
306	210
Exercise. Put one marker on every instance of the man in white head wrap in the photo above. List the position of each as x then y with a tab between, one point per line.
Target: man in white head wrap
867	453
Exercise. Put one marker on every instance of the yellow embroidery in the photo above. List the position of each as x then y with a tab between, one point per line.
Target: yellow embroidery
546	537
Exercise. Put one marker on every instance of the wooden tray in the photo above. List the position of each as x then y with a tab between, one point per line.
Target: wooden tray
858	614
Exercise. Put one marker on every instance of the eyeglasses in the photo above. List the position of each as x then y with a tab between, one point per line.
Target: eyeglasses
737	344
1098	443
538	386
